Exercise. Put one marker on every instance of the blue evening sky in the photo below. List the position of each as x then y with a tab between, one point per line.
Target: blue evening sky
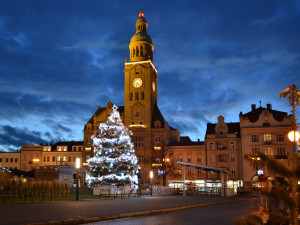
60	59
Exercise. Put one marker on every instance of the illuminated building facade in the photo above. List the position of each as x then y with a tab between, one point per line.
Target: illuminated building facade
140	113
264	130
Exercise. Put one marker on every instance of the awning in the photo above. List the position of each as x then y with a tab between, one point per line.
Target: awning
203	167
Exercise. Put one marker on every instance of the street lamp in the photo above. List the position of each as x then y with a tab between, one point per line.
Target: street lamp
151	176
293	135
77	178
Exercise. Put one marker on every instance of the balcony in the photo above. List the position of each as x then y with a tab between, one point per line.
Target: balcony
267	142
281	157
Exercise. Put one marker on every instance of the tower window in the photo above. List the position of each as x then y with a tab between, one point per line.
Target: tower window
130	96
136	96
142	95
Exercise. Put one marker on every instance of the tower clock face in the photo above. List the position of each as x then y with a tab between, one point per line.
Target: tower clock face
153	86
137	82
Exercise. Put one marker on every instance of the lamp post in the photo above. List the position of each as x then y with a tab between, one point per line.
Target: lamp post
77	178
151	176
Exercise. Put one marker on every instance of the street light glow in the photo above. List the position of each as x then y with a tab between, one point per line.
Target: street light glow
292	135
77	163
151	174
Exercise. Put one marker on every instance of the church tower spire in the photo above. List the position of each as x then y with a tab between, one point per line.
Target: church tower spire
141	45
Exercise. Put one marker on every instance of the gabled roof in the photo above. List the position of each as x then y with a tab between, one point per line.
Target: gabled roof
254	114
156	115
102	109
232	128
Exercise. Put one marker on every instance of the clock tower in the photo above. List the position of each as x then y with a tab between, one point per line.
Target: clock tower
140	78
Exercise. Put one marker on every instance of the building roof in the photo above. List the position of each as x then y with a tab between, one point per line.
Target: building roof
232	128
156	115
254	114
70	144
102	109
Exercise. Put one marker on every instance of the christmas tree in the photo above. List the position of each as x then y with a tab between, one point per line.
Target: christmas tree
114	161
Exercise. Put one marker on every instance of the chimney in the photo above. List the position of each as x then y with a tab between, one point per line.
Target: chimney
253	107
269	106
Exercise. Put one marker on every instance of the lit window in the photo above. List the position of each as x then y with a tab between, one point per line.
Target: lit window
267	139
255	151
65	149
269	151
59	149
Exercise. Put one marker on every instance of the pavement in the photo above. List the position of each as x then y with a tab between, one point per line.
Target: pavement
88	211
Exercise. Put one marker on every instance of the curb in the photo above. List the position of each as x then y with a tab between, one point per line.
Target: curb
136	214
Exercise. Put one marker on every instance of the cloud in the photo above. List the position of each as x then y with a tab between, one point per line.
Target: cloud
14	138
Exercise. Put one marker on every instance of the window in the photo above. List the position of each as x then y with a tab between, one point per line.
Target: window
59	149
281	151
255	151
189	159
44	159
58	158
0	159
266	124
6	160
74	158
254	138
232	145
142	95
269	151
189	170
280	137
136	96
53	159
16	159
48	158
64	159
11	160
49	149
65	149
267	139
141	159
157	141
232	159
79	149
130	96
74	149
199	159
233	171
180	158
70	159
222	158
198	171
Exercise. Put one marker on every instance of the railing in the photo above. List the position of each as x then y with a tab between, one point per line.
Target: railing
281	157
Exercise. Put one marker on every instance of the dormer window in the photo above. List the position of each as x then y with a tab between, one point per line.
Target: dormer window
157	124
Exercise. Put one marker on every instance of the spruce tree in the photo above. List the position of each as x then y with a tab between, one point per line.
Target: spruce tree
114	161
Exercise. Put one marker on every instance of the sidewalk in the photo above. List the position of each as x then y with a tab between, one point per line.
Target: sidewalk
30	213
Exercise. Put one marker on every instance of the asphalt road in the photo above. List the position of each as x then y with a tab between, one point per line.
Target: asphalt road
208	215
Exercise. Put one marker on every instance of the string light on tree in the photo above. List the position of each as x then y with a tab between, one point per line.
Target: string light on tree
114	161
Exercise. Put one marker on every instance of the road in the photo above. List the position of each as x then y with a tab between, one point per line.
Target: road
208	215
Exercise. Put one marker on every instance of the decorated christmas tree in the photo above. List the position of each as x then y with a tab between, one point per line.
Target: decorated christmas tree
114	161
